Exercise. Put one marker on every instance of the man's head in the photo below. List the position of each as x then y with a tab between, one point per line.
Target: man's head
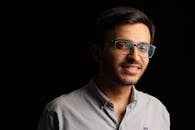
113	17
122	45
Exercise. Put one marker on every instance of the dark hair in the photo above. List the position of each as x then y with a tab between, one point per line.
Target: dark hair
110	18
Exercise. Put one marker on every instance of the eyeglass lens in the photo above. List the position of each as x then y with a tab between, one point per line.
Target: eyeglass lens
126	46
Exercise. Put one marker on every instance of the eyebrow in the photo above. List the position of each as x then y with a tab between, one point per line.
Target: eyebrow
132	41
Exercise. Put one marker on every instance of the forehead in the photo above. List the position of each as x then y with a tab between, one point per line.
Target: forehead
135	32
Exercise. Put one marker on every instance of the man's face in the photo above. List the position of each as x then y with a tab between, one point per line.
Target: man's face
124	68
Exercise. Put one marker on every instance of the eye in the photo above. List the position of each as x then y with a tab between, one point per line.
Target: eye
143	47
121	44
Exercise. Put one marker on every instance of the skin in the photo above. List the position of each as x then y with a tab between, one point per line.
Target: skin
117	71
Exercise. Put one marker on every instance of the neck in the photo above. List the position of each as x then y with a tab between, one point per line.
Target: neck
116	93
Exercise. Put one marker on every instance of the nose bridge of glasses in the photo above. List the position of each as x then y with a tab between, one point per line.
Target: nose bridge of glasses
133	50
132	46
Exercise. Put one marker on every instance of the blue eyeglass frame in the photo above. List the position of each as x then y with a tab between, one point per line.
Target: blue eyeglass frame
130	45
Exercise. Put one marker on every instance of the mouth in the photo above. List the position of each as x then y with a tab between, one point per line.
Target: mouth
131	69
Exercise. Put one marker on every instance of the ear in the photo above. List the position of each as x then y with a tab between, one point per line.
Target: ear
95	52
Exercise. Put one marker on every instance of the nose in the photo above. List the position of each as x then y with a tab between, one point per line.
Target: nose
134	53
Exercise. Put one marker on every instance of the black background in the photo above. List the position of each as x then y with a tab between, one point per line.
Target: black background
46	55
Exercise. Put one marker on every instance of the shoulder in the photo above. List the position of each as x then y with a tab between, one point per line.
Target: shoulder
154	110
152	102
66	100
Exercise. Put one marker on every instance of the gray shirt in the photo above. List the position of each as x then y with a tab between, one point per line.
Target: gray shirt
89	109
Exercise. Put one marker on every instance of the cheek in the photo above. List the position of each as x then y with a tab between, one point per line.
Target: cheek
145	63
115	58
111	59
145	60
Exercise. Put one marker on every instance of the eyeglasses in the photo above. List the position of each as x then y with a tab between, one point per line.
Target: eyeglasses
145	50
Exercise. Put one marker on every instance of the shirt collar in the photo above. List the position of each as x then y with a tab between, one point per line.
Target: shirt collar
96	93
103	100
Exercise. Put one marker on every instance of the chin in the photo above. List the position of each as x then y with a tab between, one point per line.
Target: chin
128	81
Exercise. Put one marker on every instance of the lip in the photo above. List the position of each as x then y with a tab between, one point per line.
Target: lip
131	69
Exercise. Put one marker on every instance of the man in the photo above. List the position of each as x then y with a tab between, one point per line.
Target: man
122	48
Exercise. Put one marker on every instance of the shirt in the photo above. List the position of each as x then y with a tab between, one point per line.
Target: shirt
88	108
